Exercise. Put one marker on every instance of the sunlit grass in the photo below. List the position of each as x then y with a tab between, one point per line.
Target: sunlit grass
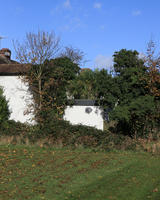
57	174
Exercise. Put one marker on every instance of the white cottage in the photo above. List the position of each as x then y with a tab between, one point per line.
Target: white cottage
83	112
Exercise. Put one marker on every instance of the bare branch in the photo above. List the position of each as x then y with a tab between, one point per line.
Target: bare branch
76	55
37	47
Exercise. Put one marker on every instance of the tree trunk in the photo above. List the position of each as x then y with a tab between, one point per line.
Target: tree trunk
40	94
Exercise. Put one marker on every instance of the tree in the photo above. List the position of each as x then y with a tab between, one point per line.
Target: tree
135	103
56	76
152	62
61	72
4	110
76	55
106	89
126	59
97	85
83	86
36	48
69	68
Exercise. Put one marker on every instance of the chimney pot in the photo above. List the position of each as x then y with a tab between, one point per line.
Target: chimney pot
6	53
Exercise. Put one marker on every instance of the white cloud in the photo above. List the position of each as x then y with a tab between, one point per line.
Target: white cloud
136	12
97	5
67	4
102	61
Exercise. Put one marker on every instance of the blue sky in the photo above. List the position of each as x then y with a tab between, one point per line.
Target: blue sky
97	27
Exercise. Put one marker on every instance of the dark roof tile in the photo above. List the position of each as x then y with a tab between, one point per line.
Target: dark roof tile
13	69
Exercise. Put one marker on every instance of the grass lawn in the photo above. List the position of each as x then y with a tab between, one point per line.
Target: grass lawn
58	174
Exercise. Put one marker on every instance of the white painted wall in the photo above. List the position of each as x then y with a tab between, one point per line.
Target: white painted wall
78	115
17	94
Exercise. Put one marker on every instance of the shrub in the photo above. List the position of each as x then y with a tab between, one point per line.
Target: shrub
4	110
65	134
14	128
136	118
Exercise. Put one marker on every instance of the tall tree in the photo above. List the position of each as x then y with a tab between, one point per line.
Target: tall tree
126	59
57	74
152	62
106	89
135	105
36	48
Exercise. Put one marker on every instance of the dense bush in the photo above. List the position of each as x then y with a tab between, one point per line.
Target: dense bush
62	130
137	109
60	133
134	118
4	110
14	128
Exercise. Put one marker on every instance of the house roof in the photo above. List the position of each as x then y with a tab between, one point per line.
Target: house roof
84	102
10	67
13	69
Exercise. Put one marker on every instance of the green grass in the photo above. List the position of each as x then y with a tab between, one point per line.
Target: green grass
58	174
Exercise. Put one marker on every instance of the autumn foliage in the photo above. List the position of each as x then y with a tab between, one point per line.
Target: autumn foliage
153	64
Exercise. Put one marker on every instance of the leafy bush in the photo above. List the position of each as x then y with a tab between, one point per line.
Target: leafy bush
4	110
61	133
14	128
135	118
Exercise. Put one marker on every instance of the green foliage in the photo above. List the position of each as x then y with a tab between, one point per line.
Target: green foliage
106	89
60	72
4	110
98	85
126	94
69	69
68	134
125	59
135	118
48	83
152	62
61	133
136	106
83	86
12	128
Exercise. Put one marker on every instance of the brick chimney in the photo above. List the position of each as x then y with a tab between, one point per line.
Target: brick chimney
6	53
